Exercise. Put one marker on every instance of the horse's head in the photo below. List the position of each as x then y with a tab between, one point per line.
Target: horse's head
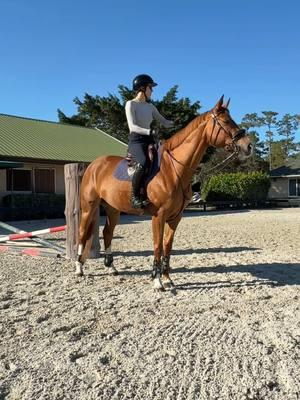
222	131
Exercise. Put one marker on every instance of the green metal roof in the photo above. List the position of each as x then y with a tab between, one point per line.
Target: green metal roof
44	140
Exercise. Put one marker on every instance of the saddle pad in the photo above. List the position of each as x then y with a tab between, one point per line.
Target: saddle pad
121	170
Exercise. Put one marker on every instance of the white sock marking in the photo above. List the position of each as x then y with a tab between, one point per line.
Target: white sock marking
108	250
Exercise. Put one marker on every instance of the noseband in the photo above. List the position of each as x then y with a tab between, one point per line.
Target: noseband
237	136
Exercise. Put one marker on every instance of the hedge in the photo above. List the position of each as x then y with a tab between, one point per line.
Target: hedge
32	206
246	187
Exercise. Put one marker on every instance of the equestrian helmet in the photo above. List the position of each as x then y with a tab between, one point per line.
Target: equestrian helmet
142	80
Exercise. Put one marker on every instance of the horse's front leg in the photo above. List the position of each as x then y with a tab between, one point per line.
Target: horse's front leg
168	242
158	225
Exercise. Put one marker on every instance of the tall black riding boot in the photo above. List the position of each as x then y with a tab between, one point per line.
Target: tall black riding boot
136	200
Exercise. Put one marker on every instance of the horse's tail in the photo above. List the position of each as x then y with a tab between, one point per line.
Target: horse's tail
89	206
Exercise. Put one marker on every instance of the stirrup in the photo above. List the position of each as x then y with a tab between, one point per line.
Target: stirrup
145	203
137	202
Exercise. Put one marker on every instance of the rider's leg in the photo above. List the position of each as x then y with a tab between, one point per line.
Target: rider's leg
137	181
139	148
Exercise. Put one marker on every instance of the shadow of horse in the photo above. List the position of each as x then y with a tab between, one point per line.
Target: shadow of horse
273	274
134	219
182	252
270	274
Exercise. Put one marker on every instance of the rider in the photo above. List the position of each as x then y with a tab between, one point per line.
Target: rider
140	113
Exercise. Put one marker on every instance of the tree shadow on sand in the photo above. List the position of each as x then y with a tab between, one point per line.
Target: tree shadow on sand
273	274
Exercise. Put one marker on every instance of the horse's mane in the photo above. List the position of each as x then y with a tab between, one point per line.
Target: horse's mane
175	140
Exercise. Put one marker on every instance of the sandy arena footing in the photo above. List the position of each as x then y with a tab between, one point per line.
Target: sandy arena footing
230	331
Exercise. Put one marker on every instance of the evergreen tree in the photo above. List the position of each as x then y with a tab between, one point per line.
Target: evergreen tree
278	154
287	127
269	120
108	113
181	111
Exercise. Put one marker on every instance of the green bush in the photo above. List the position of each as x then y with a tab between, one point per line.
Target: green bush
244	187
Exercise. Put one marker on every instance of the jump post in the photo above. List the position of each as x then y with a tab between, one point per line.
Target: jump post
73	176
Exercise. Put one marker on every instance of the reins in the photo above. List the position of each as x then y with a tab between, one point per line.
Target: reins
238	135
179	162
180	182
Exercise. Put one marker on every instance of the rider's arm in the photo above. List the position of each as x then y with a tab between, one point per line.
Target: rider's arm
131	120
165	122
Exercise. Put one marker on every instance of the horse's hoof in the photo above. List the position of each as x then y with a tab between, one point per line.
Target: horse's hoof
114	271
168	284
79	269
157	284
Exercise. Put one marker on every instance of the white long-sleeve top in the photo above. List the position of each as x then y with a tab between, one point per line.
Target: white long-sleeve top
140	115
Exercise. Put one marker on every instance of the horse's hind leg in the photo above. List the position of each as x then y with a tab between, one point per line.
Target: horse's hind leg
86	229
112	218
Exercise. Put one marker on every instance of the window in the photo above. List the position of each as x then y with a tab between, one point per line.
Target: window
19	180
294	187
44	181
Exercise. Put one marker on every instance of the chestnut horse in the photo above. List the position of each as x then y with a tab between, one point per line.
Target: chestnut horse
169	191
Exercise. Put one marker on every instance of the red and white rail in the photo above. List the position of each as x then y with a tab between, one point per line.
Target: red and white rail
16	236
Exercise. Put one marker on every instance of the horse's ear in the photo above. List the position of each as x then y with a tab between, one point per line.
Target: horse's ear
227	104
219	104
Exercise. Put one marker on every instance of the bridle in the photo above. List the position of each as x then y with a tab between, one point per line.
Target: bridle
238	135
234	138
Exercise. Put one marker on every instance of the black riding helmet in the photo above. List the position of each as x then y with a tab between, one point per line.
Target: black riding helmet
142	81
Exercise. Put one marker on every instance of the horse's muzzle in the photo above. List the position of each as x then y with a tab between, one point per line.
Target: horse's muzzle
245	150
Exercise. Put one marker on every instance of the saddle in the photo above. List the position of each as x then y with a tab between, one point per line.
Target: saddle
152	151
125	168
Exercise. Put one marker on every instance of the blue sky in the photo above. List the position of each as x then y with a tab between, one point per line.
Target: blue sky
52	51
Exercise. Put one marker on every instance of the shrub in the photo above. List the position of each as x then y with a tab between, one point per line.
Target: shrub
245	187
33	206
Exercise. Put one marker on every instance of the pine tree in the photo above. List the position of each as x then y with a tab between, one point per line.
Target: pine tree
278	154
108	113
287	127
269	119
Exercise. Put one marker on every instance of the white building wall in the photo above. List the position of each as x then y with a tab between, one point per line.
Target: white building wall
279	188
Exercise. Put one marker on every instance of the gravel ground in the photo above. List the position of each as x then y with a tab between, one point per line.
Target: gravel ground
230	331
